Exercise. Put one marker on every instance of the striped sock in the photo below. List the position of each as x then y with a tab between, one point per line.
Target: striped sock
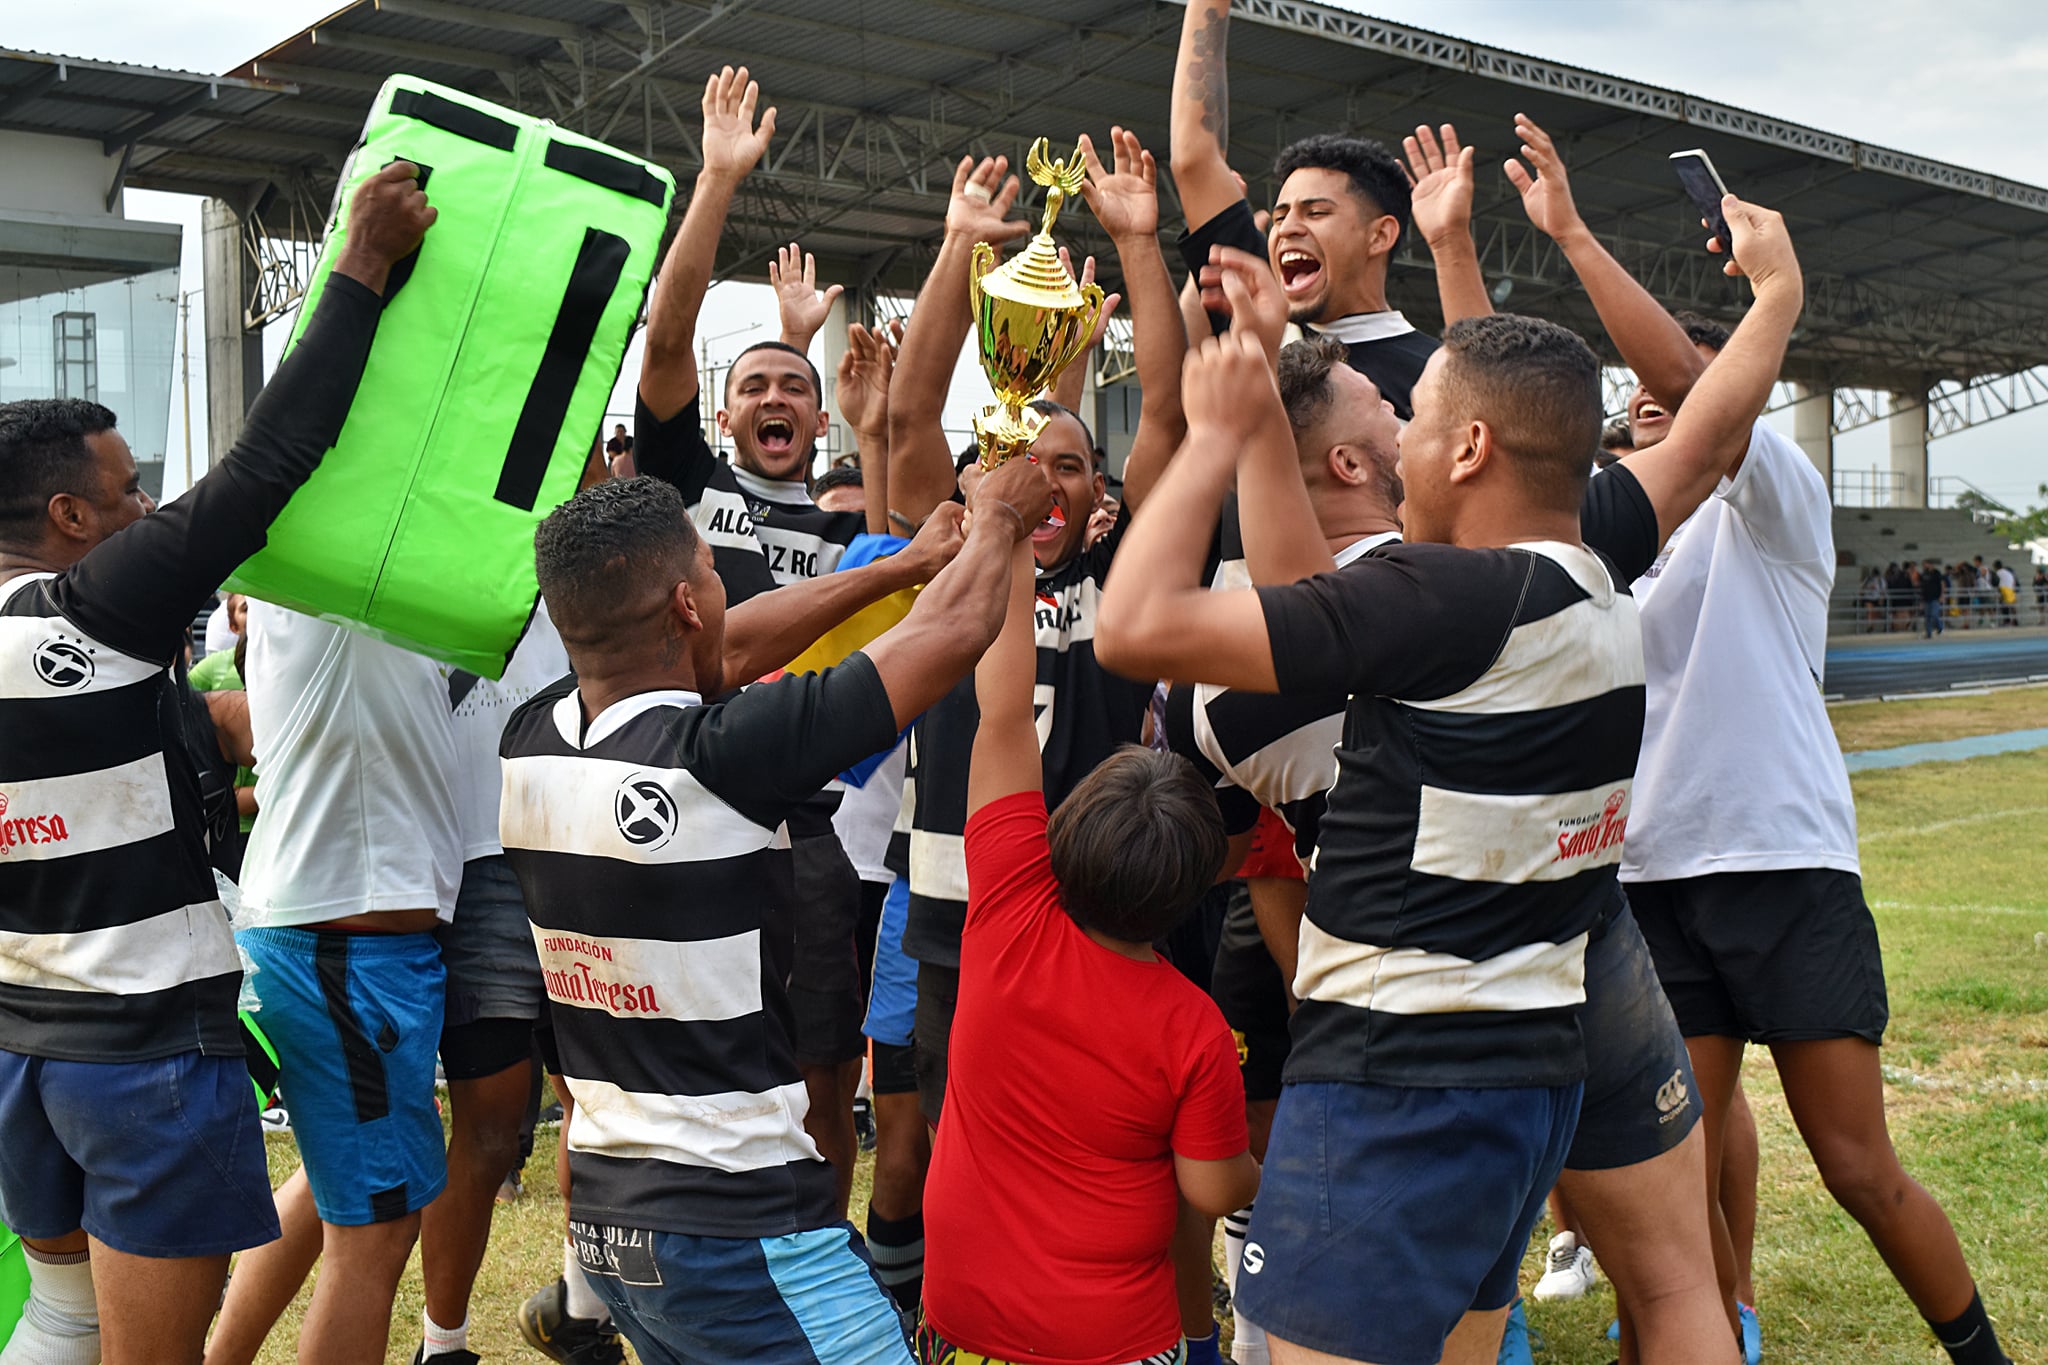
897	1246
1247	1338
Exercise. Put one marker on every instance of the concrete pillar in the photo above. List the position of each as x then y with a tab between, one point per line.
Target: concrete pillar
1813	427
234	353
826	349
1908	428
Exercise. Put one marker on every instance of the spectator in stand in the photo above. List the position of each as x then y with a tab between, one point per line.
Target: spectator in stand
2008	585
1932	585
1873	595
1899	584
132	1135
2041	594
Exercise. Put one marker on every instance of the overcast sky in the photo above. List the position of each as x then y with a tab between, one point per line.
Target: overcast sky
1964	81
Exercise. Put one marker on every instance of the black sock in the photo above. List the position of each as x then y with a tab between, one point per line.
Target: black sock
1969	1339
897	1247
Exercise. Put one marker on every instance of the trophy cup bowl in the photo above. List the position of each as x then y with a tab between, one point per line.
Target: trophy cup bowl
1030	316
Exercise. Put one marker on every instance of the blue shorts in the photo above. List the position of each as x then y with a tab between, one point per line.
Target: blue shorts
892	999
355	1019
807	1298
1388	1212
160	1158
1640	1098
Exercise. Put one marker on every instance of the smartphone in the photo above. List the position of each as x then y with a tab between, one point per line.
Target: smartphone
1703	186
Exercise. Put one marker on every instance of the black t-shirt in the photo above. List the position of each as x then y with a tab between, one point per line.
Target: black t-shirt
1084	712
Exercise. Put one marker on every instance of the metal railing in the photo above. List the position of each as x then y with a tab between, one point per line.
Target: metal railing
1900	612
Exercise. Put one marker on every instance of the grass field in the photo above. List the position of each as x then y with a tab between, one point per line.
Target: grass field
1955	859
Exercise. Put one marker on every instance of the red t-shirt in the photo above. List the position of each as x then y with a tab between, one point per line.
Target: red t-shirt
1075	1076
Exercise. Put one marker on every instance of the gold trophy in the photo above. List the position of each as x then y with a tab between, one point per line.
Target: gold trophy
1032	318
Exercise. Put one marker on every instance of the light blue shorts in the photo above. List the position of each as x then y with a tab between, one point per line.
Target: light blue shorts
356	1020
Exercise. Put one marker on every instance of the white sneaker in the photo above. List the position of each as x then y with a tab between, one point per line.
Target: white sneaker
1567	1272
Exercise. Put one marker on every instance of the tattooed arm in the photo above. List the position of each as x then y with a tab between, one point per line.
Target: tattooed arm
1201	114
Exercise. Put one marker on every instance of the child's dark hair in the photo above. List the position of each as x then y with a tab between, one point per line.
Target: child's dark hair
1136	844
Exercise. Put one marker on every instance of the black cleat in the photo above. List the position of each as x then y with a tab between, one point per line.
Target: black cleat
545	1323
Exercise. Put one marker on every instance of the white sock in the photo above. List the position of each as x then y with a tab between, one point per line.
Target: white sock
581	1301
60	1325
1247	1339
438	1340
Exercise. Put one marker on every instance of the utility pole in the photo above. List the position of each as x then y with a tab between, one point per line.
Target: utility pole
185	374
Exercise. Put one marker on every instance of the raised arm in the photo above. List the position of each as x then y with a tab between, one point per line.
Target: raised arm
1072	385
1711	432
1006	758
960	612
1283	539
731	144
1650	342
1126	202
139	588
918	449
863	400
799	304
769	629
1156	618
1440	198
1199	127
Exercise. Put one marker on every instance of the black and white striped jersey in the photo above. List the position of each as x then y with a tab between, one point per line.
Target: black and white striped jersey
113	942
763	533
652	851
1257	749
1083	712
1470	844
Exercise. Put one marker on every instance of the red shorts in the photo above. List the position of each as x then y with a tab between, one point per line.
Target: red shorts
1272	852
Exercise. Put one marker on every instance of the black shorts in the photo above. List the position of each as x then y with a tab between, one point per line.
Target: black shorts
1771	957
892	1068
1247	987
826	1000
1640	1100
938	995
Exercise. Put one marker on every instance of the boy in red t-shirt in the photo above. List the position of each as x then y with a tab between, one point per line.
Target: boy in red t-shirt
1094	1089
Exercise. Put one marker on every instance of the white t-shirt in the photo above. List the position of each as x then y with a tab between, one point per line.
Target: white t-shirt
481	709
219	634
1740	771
867	814
355	745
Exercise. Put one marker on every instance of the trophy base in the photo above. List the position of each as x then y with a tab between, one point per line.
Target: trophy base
1004	432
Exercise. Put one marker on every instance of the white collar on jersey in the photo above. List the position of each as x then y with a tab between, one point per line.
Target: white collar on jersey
1357	548
608	722
789	491
1364	327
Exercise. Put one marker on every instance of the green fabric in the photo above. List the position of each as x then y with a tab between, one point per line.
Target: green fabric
13	1283
216	673
400	532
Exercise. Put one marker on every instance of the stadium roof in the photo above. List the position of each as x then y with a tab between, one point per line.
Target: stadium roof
1918	271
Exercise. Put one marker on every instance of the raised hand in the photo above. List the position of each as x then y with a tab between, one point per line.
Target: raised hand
1125	198
1229	392
980	206
1109	306
793	274
732	143
1763	249
864	371
387	216
1440	175
1545	190
1250	294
